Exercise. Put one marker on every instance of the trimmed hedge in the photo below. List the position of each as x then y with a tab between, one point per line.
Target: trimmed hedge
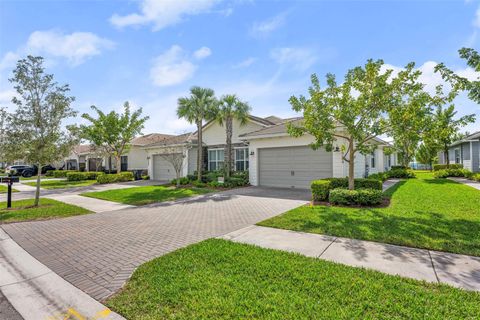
355	197
476	177
382	176
320	190
437	167
80	176
399	167
59	173
116	177
401	173
453	173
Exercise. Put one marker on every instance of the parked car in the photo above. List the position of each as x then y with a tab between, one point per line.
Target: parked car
27	171
17	170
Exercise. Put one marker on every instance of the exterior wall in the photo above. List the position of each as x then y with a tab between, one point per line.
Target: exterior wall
465	149
475	156
154	151
214	134
137	159
192	160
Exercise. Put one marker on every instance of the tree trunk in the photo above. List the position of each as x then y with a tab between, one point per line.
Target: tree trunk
199	151
118	161
351	167
37	190
228	147
177	181
445	150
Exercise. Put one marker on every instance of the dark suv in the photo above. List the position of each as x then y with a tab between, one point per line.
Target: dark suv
27	171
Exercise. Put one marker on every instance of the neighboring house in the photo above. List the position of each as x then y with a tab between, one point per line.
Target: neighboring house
86	158
465	151
268	152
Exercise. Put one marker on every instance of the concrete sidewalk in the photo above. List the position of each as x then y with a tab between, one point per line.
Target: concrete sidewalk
470	183
92	204
389	183
36	292
457	270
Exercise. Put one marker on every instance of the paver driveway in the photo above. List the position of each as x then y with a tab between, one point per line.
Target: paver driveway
98	252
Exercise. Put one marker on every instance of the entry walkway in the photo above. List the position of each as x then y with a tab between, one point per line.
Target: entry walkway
469	183
457	270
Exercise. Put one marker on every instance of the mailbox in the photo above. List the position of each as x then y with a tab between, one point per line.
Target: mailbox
9	181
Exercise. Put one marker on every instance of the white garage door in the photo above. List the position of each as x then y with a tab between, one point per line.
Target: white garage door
293	167
162	169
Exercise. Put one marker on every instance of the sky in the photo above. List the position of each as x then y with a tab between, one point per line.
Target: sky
150	52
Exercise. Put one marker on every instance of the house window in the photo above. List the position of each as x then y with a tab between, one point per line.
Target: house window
389	161
215	159
372	160
241	159
124	163
457	155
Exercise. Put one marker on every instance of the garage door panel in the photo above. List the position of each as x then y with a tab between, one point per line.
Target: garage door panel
277	164
162	169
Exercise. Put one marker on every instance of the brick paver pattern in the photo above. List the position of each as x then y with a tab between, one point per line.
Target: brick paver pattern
98	252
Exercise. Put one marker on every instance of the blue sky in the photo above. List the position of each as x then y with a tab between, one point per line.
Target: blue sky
150	52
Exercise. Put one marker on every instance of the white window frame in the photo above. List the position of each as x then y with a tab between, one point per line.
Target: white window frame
373	160
245	160
459	155
216	159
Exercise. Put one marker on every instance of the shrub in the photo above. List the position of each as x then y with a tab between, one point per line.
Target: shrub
359	183
437	167
382	176
445	173
182	181
400	173
320	189
355	197
399	167
476	177
145	177
116	177
192	177
215	184
60	173
79	176
49	173
233	182
199	184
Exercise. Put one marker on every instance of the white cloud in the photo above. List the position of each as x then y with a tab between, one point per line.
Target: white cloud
76	47
476	20
245	63
298	58
264	28
163	13
202	53
172	67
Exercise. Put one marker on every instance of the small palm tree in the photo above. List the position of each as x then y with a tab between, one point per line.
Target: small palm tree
229	108
196	108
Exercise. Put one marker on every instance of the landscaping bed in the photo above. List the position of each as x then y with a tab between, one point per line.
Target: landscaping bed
147	195
437	214
23	210
218	279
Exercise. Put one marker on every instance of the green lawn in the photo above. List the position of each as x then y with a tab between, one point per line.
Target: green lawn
4	189
218	279
22	210
146	195
61	184
35	178
436	214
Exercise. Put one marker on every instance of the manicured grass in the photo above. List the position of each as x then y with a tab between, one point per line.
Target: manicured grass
4	189
35	178
22	210
218	279
146	195
61	184
437	214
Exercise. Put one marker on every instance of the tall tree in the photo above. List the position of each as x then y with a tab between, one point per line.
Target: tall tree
352	112
426	154
113	132
409	118
446	127
199	106
3	130
231	108
35	130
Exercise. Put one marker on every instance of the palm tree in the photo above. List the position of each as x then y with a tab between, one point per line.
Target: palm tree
196	108
230	107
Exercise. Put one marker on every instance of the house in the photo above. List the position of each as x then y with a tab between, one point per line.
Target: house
264	148
87	158
465	151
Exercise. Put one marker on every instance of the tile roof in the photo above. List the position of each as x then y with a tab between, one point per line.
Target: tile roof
150	138
173	140
279	128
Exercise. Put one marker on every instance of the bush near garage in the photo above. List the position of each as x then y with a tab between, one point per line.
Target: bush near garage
115	177
80	176
182	181
401	173
382	176
364	197
437	167
321	188
445	173
59	173
476	177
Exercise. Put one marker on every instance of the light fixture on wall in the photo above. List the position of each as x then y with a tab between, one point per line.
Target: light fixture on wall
337	149
252	153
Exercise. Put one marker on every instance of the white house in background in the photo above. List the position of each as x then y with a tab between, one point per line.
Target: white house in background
264	148
84	157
